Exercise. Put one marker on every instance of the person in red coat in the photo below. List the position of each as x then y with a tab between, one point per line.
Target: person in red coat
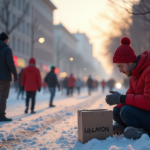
71	83
103	84
132	113
31	82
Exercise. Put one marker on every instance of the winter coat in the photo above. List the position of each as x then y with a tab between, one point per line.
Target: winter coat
138	94
65	82
51	79
7	65
89	82
31	78
78	83
103	83
71	81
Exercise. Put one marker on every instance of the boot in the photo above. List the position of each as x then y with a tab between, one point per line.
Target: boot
26	111
51	105
134	133
33	112
5	119
118	129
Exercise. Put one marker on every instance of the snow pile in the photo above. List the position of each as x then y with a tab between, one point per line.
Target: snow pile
11	137
34	127
115	143
2	137
3	148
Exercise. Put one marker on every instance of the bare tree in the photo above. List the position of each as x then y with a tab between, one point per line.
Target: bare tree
143	8
5	16
34	29
61	49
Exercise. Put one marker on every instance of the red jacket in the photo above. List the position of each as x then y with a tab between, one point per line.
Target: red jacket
71	81
31	78
103	83
138	94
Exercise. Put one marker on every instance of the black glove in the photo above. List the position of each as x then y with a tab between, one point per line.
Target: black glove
114	98
39	89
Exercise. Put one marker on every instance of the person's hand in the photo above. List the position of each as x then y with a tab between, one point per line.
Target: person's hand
39	89
114	98
16	79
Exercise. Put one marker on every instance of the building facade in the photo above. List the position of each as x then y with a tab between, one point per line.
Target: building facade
65	50
37	23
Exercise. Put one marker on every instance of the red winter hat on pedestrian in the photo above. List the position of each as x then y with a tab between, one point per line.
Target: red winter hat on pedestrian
32	61
124	53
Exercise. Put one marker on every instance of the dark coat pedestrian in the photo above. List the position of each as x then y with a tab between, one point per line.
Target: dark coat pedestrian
65	84
51	80
21	90
31	81
78	85
7	67
89	84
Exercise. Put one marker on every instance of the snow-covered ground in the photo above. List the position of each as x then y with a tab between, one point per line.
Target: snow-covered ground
56	128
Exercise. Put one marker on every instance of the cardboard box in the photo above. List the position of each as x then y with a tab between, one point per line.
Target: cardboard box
96	123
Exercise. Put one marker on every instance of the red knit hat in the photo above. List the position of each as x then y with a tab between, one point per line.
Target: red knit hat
32	61
124	53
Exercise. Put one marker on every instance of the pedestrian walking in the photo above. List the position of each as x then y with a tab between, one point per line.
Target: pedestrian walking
78	85
132	111
71	84
51	80
89	84
103	84
111	84
21	90
7	67
31	83
65	84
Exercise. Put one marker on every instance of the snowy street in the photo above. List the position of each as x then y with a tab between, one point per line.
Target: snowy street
56	128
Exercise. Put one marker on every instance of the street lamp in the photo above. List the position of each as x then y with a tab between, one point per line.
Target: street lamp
71	58
84	68
41	40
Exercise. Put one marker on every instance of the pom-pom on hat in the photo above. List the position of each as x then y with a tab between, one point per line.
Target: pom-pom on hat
124	53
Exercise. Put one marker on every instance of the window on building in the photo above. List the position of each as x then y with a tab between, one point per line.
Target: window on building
23	27
14	19
27	48
18	45
3	12
23	47
19	26
28	29
19	4
13	43
23	5
14	2
28	12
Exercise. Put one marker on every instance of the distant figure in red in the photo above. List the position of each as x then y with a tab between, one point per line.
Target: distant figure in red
31	82
103	84
71	83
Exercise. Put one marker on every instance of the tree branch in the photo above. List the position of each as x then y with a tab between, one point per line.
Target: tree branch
20	19
140	13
